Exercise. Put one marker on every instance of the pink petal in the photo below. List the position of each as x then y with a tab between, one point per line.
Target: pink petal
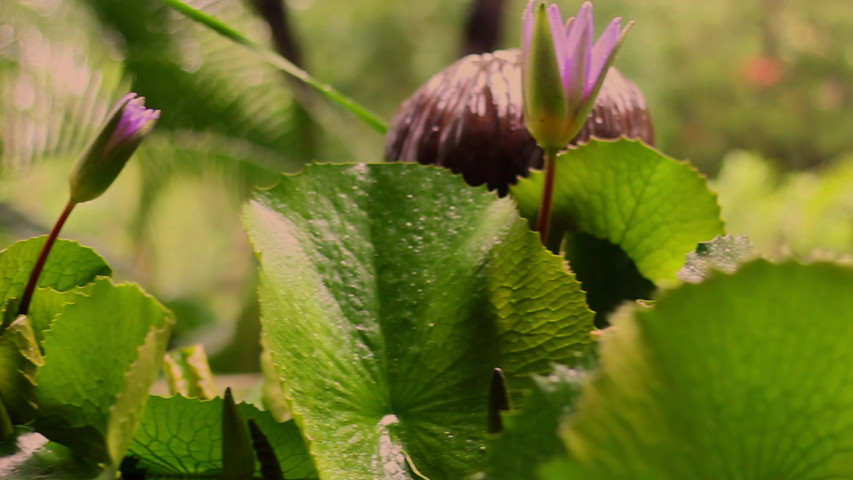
602	51
561	47
134	119
527	27
579	40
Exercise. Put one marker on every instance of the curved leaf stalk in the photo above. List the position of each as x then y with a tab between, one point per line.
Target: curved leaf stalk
281	63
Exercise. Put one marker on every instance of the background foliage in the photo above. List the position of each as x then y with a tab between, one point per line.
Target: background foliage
765	76
756	93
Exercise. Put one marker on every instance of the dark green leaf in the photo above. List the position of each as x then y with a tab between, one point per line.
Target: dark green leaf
389	294
20	357
219	99
238	456
281	63
531	436
270	467
607	274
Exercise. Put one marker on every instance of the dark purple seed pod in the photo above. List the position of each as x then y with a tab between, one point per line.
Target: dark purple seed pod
468	118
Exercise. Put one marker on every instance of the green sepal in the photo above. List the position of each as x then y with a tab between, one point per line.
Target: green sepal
546	112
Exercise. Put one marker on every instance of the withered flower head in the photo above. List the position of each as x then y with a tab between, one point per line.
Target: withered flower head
469	118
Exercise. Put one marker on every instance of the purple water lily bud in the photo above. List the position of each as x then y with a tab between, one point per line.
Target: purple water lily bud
562	70
127	126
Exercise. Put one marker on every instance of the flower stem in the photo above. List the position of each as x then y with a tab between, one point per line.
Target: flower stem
279	62
24	307
543	222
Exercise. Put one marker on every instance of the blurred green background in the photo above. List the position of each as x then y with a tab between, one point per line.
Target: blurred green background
757	94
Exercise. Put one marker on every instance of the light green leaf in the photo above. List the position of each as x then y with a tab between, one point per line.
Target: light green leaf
654	208
743	376
129	404
101	354
20	357
68	266
389	293
46	305
183	437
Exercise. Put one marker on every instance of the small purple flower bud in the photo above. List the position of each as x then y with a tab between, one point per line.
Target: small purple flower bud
96	170
562	71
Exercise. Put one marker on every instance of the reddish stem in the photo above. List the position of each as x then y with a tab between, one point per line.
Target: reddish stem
543	222
24	307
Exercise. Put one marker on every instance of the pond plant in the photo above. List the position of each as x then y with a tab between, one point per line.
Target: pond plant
525	289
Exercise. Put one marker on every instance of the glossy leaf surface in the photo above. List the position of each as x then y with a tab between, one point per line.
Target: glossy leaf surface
389	293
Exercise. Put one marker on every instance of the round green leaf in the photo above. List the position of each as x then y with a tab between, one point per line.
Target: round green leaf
69	265
744	376
653	207
389	293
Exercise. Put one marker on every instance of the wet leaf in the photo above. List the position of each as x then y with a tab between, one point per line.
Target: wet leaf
389	293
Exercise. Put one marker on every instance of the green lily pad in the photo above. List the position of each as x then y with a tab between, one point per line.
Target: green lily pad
69	265
654	208
741	376
389	293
